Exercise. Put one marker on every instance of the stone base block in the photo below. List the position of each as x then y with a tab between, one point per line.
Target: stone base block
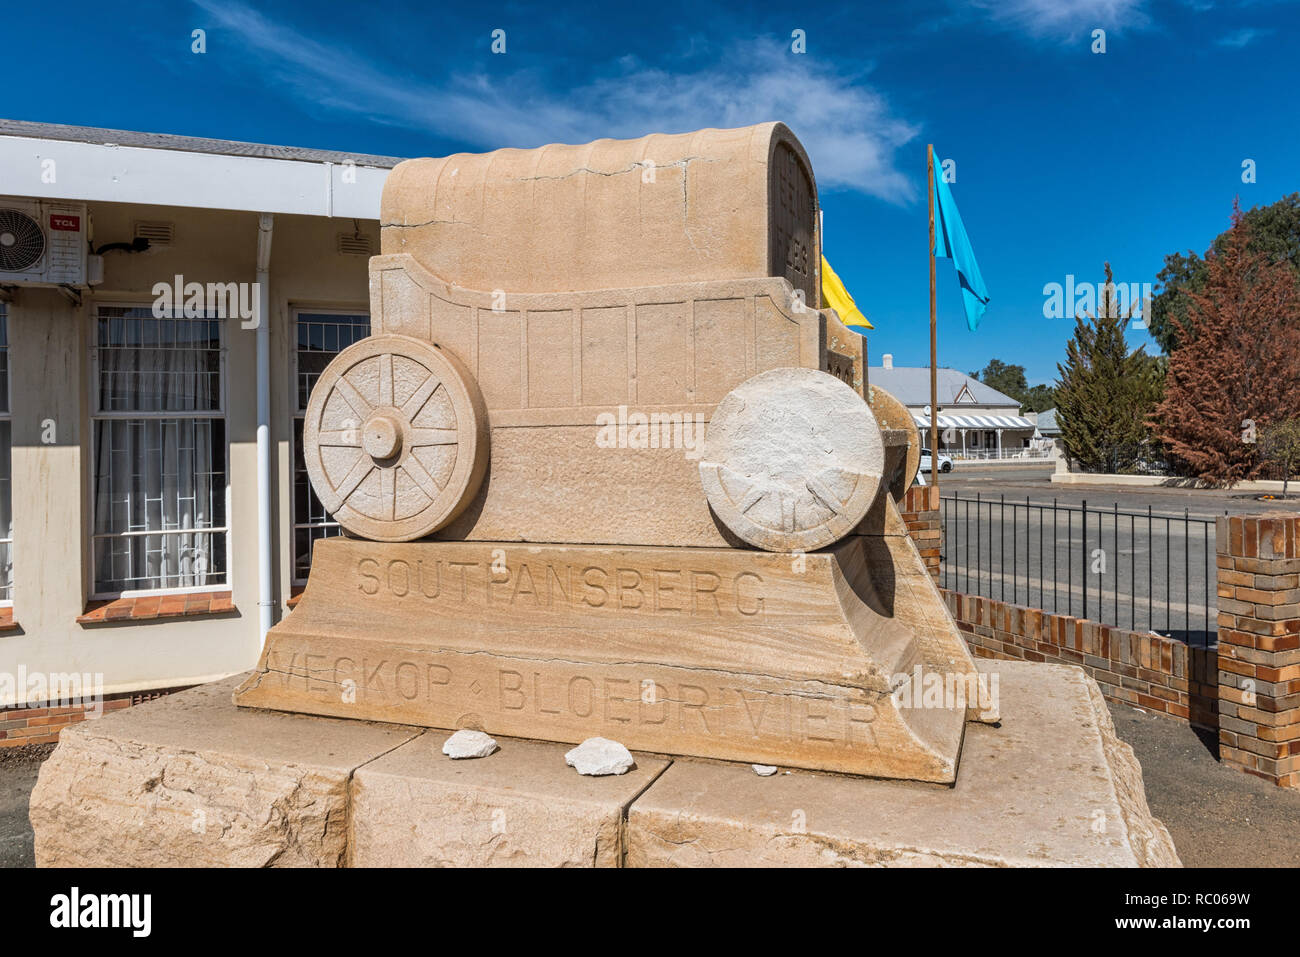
190	780
1051	786
520	807
193	780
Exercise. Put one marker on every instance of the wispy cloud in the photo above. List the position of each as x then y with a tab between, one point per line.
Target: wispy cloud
1243	37
849	128
1064	19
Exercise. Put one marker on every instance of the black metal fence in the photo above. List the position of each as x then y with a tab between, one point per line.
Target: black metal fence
1137	570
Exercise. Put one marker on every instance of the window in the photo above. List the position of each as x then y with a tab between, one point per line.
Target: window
321	336
6	469
160	452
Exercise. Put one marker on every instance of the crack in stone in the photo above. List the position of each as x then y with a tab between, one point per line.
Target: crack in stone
684	162
431	222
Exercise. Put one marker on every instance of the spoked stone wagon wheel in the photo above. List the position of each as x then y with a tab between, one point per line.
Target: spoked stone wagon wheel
792	460
395	438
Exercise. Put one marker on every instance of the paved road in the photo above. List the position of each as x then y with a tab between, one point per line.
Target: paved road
1024	541
1122	569
1035	482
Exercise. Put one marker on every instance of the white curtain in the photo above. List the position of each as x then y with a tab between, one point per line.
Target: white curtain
158	474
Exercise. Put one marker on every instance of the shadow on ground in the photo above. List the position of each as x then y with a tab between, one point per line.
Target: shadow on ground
1218	816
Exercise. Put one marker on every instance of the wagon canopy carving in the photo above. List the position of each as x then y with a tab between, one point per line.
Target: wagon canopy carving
662	209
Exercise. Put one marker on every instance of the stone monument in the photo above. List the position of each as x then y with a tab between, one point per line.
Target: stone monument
538	544
608	470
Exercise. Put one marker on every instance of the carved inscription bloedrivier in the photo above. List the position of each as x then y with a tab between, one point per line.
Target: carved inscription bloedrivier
548	585
444	687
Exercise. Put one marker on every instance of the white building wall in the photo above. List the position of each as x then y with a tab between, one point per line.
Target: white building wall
50	367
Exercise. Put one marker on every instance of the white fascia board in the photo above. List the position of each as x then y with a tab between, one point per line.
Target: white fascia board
92	172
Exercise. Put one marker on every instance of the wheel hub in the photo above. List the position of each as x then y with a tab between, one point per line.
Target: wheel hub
381	436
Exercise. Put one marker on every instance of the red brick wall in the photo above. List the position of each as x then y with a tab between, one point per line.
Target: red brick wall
1148	671
920	510
1259	645
19	726
1248	688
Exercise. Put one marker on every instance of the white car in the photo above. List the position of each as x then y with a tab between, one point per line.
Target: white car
945	463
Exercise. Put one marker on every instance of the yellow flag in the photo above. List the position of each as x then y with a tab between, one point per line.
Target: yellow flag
837	297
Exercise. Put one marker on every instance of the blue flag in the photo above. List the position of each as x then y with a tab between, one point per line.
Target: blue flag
951	242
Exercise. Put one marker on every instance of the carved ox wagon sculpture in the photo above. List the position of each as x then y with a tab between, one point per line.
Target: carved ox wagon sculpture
517	292
538	545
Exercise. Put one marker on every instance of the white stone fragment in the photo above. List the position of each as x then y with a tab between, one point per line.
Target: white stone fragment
468	744
763	770
597	756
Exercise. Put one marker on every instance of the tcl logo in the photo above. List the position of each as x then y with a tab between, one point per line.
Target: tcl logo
70	224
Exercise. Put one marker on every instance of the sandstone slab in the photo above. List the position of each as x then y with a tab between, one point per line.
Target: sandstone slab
522	808
191	781
1052	786
898	572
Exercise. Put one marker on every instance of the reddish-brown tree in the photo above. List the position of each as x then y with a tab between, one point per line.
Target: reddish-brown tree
1240	368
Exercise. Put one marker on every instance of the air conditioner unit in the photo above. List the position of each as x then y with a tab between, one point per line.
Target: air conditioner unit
46	243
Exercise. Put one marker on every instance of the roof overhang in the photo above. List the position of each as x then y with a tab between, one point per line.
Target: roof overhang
97	172
951	421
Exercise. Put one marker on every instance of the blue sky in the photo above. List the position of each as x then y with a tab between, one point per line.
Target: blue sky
1064	157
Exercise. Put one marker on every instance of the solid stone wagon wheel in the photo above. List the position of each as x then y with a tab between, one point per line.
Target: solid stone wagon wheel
892	414
395	438
792	460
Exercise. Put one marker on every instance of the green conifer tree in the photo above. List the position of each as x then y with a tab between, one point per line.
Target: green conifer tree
1105	393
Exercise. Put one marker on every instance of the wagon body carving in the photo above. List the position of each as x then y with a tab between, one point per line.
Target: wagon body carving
466	269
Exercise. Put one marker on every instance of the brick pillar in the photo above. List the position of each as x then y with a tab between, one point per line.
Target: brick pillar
920	510
1259	645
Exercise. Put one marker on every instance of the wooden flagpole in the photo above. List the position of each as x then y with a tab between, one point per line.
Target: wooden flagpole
934	339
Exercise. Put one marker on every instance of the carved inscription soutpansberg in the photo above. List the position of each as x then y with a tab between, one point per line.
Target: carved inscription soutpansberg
546	585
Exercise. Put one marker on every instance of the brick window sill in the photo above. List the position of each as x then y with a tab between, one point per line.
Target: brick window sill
7	622
295	596
156	607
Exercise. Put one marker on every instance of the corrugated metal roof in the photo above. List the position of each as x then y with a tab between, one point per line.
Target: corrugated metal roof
188	144
911	386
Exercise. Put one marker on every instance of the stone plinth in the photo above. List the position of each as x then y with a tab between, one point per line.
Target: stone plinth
721	653
1050	786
